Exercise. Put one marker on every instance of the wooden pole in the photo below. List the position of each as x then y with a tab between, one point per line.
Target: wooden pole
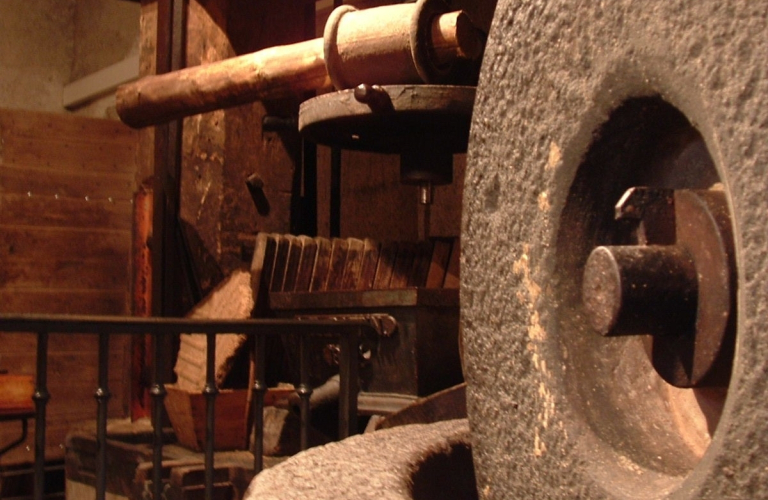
289	70
267	74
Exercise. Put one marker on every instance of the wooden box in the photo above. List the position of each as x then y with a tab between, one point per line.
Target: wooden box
186	411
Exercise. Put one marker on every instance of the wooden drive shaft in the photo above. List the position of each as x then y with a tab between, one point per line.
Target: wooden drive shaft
403	43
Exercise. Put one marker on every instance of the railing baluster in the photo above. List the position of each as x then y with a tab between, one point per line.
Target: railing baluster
349	333
41	397
259	389
157	393
102	399
304	391
210	392
348	384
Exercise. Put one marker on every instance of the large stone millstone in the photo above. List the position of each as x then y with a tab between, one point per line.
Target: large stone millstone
420	461
575	104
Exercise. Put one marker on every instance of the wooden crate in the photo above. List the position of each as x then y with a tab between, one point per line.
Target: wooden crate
186	411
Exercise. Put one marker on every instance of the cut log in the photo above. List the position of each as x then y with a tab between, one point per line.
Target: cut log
232	299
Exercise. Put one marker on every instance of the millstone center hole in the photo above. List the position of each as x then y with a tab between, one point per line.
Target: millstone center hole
645	142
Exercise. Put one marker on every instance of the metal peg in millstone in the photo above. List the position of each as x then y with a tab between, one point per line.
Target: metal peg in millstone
677	287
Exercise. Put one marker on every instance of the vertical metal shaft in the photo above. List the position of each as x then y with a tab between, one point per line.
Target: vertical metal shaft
259	389
348	385
167	248
335	221
210	392
157	393
102	400
309	148
41	397
304	391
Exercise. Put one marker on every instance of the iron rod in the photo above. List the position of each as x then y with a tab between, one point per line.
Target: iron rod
62	324
210	392
102	400
335	202
157	393
348	385
259	389
41	397
304	391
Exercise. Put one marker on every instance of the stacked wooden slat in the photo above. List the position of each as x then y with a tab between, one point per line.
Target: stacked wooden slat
286	263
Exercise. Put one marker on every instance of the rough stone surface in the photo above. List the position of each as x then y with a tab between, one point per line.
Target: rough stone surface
378	465
553	73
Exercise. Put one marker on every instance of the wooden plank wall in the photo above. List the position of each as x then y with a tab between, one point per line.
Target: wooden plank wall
66	186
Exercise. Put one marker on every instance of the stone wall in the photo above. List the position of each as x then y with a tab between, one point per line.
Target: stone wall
46	44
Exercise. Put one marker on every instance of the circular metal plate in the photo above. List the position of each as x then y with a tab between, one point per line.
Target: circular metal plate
397	119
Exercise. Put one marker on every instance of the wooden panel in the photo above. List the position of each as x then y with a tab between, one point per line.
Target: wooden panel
67	128
47	301
56	434
281	258
293	263
47	182
306	265
353	265
68	156
421	263
15	342
96	274
386	265
438	264
26	210
403	264
338	261
452	273
67	143
370	261
322	265
72	379
371	187
63	243
66	185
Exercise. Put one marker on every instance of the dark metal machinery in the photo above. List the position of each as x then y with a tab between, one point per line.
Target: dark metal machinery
426	125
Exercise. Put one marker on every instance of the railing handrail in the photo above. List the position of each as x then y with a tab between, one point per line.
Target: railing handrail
135	325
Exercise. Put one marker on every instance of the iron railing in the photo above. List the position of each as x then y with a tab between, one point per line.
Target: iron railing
348	332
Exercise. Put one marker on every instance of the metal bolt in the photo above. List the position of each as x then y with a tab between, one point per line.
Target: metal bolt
279	123
675	286
653	212
254	181
255	185
365	93
374	96
631	290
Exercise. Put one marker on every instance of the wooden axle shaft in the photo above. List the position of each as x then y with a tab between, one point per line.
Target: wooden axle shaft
355	48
